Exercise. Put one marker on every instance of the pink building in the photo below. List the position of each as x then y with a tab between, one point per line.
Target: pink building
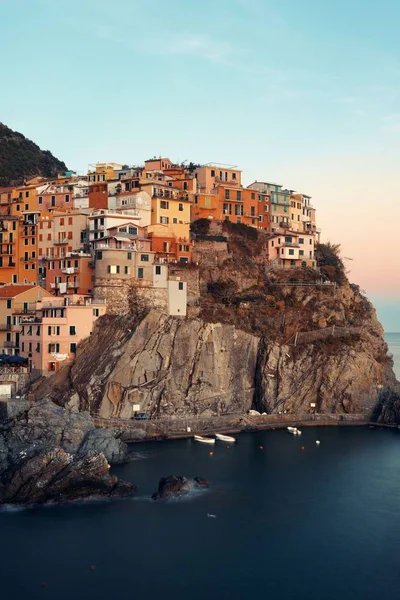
51	329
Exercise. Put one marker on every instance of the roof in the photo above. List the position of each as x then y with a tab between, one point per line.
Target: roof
10	291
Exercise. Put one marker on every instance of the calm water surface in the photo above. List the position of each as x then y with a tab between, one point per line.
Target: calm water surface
323	523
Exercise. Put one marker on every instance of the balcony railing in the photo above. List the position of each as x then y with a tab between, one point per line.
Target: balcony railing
5	326
10	345
60	242
70	270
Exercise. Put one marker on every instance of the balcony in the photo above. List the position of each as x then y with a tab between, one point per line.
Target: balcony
10	345
72	284
5	326
63	242
284	225
225	180
70	270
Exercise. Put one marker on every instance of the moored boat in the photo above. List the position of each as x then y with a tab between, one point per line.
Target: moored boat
205	440
225	438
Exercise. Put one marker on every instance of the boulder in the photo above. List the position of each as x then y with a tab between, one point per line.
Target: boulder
175	486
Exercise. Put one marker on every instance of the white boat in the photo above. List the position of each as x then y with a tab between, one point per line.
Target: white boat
225	438
291	429
205	440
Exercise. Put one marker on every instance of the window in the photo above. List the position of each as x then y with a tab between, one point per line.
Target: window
253	196
96	312
126	270
174	220
227	209
129	255
132	231
180	207
238	195
144	257
180	285
9	303
72	330
118	269
291	252
53	330
227	192
40	200
164	204
310	242
301	252
239	209
140	272
66	197
53	201
233	175
158	270
54	348
164	220
37	347
288	239
212	173
26	194
72	348
252	211
301	240
99	255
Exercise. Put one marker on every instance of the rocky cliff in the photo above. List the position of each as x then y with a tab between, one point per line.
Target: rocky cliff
178	367
50	454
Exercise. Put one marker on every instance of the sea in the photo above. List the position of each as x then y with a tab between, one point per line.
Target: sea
284	518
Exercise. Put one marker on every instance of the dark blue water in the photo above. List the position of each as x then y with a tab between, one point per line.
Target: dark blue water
323	523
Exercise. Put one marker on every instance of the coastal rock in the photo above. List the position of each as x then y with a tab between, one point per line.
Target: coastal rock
49	454
57	476
175	486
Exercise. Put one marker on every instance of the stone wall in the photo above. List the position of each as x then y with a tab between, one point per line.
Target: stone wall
209	253
123	296
189	274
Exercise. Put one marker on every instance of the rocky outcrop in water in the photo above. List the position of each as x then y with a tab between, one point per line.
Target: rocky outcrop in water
50	454
175	486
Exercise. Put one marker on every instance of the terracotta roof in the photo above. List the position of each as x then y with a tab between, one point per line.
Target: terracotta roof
10	291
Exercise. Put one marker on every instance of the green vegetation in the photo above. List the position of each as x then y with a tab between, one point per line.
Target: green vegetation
20	159
330	262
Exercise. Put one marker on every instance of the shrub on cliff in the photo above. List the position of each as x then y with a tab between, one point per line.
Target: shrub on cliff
200	226
241	230
223	291
330	262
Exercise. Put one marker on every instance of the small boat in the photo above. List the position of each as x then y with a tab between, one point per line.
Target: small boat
318	442
211	516
225	438
291	429
205	440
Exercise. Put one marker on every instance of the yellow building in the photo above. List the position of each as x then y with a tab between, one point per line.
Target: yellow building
103	172
15	300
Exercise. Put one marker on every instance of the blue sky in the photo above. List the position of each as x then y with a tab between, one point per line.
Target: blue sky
306	93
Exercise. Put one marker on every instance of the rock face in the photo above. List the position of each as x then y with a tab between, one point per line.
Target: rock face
170	367
175	486
295	349
49	454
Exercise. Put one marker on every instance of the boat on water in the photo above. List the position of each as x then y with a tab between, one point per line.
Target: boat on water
291	429
225	438
205	440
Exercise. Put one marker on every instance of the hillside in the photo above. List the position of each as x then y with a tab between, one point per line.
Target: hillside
271	340
21	158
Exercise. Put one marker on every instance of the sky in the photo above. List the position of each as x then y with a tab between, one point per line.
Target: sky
303	93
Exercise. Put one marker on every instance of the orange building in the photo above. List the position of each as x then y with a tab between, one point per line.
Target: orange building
230	203
210	175
70	275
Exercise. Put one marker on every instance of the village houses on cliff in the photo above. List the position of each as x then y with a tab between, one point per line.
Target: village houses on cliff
75	247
